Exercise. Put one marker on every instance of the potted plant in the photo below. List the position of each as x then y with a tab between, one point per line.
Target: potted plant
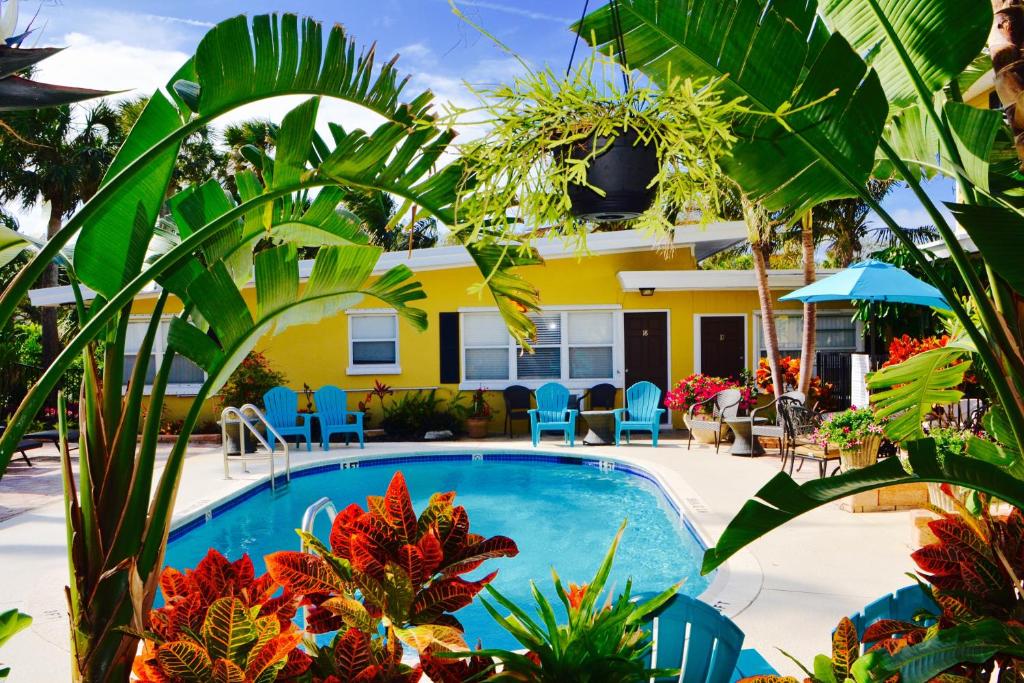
479	415
789	367
948	441
247	384
856	434
568	151
696	390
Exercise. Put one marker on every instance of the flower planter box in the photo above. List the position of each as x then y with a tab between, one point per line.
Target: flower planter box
899	497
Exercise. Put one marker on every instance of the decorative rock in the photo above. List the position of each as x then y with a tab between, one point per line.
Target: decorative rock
441	435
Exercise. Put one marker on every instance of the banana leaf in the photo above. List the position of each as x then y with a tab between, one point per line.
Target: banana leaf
782	499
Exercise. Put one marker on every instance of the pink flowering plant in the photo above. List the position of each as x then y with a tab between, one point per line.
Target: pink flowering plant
849	428
698	388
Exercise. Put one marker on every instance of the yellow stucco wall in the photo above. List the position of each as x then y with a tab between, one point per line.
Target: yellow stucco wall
317	354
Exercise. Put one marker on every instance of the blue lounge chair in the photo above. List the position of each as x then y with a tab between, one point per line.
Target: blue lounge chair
333	413
693	636
552	413
281	408
641	412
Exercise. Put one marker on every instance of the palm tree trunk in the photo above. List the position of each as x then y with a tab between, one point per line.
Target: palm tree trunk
48	314
1006	46
807	341
757	226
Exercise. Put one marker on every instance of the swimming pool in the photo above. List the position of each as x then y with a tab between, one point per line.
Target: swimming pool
561	511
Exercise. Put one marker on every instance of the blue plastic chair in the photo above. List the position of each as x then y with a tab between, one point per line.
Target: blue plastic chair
641	412
901	606
281	407
333	413
693	636
552	413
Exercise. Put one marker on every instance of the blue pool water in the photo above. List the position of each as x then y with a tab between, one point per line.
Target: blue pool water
559	514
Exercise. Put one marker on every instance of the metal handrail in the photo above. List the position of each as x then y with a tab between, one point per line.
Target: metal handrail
308	519
238	415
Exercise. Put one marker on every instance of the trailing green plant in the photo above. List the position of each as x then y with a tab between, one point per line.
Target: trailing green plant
603	639
530	156
253	377
12	622
390	573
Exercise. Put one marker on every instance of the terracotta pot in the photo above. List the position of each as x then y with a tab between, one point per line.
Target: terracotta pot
476	427
864	455
705	435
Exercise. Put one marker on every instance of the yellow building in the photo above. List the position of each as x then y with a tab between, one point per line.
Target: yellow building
629	311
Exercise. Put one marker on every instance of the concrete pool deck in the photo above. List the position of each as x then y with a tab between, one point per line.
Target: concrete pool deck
788	590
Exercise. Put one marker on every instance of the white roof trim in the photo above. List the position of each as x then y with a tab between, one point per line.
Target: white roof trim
699	280
440	258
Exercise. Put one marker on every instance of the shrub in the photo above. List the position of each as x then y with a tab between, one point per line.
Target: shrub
250	380
904	347
220	622
698	388
789	367
419	412
388	569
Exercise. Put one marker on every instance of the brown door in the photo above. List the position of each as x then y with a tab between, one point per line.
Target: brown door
722	345
646	339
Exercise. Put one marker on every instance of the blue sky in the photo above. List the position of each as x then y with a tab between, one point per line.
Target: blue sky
137	44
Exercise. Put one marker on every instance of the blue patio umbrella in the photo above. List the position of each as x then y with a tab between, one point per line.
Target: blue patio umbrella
871	281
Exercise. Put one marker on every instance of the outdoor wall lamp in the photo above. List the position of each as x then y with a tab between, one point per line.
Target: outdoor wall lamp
647	291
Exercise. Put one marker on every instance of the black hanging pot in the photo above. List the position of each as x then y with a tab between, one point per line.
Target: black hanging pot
623	171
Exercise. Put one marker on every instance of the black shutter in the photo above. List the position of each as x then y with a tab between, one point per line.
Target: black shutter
448	327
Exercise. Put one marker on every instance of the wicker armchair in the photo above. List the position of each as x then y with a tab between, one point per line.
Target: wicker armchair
800	423
725	404
776	429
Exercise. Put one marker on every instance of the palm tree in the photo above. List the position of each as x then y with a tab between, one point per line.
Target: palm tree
57	157
808	336
1005	47
377	210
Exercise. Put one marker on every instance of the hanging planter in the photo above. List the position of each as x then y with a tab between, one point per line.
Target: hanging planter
620	172
563	153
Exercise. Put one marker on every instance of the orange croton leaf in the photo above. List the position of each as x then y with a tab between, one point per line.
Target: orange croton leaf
398	509
446	595
303	573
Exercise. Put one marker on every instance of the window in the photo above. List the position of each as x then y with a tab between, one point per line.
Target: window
373	343
185	376
834	332
570	346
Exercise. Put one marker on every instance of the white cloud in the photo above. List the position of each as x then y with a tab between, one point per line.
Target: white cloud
110	65
518	11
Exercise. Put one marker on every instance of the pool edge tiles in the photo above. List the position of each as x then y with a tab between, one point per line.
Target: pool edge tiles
723	591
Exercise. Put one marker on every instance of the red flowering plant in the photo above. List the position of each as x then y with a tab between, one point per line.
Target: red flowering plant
904	347
221	622
380	390
696	389
390	573
789	368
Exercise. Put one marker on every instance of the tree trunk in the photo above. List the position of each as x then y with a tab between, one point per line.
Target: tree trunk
757	225
807	341
48	314
1006	45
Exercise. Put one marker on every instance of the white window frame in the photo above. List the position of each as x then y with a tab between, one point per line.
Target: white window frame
374	368
579	383
758	341
159	348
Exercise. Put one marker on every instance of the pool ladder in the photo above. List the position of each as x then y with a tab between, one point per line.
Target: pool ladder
308	520
246	418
